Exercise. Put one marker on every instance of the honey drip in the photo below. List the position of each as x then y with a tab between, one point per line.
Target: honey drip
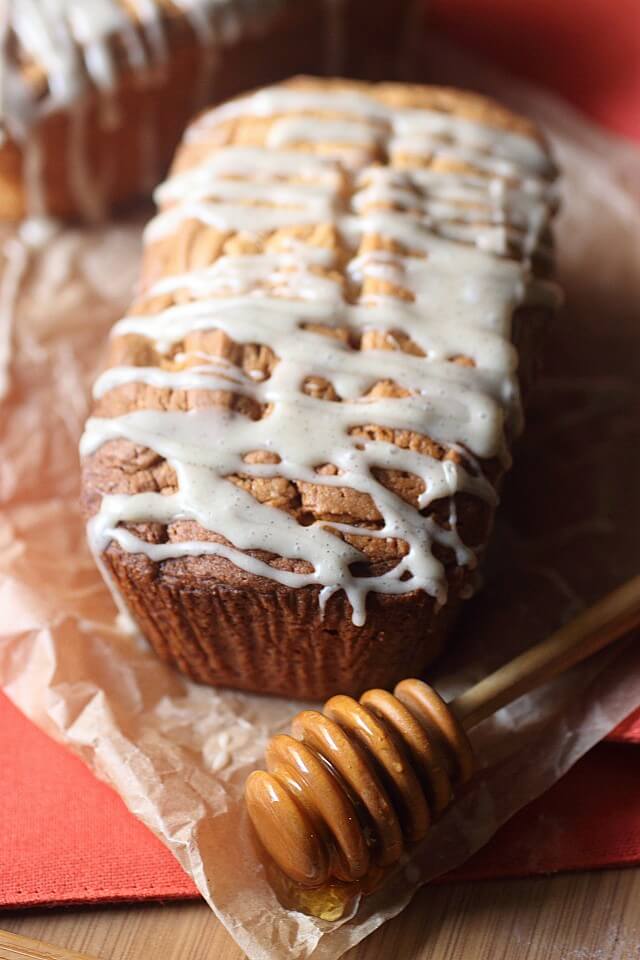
351	789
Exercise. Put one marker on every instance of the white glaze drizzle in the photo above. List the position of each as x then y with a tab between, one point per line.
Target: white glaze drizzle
453	227
515	191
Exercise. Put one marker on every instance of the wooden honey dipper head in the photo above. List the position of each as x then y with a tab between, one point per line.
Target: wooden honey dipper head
353	786
357	782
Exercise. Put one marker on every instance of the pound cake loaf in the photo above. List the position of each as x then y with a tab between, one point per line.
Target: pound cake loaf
295	453
95	94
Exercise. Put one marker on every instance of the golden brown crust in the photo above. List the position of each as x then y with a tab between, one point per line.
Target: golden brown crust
217	622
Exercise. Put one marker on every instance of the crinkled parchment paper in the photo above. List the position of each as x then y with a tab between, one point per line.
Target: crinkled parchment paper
178	753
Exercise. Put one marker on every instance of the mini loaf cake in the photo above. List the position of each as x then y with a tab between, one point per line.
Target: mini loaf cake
296	450
95	94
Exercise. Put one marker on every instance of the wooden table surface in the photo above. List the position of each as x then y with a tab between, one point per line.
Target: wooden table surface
587	916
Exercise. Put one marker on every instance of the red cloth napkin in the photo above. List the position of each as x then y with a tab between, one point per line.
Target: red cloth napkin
629	731
586	50
67	838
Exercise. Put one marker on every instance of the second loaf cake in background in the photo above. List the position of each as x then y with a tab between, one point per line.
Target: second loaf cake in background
96	93
295	453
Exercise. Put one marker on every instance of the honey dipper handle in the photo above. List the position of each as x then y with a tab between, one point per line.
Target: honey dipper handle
589	632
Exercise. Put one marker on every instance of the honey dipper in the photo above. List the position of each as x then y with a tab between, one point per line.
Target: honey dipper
358	783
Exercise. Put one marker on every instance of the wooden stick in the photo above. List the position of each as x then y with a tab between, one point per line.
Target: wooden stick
596	628
15	947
